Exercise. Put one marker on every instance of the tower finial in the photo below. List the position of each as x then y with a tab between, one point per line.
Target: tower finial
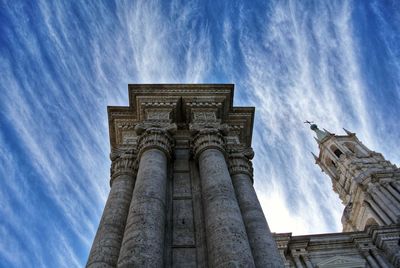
321	134
315	157
348	132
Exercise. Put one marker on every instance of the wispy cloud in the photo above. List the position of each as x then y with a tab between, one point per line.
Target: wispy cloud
61	64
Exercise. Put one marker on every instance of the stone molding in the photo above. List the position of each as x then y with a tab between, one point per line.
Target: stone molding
123	163
341	262
156	138
208	138
239	162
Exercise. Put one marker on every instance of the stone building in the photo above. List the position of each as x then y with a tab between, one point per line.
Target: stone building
182	190
369	187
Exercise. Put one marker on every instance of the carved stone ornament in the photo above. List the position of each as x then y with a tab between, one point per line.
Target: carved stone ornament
342	262
157	138
165	126
158	115
123	163
204	117
208	138
239	162
347	211
198	126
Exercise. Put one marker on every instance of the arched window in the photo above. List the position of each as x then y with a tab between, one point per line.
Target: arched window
331	166
336	151
370	222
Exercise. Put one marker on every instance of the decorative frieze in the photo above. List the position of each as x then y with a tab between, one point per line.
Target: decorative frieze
204	116
158	115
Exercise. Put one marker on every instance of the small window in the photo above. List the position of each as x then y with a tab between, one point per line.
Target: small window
338	153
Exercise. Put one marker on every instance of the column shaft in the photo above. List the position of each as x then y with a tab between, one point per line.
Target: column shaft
396	185
227	240
393	252
390	188
107	242
307	261
382	204
389	199
377	210
379	258
262	243
297	262
143	241
372	261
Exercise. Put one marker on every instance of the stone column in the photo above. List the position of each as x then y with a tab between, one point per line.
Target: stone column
369	258
307	261
382	202
107	243
389	200
297	261
379	258
392	249
396	185
390	188
376	209
263	245
227	241
143	241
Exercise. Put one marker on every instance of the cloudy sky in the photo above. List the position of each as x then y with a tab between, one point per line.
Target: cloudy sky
63	62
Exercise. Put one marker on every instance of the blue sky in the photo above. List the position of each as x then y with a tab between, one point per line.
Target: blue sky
63	62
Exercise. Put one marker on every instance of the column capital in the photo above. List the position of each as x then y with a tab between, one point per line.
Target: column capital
207	138
123	162
239	161
306	258
374	252
156	137
365	252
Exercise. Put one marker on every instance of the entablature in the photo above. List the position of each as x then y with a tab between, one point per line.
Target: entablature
208	105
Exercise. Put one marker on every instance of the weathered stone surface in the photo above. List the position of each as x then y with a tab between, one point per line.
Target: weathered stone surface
374	247
143	240
363	180
107	243
183	228
182	186
184	258
263	246
178	218
226	235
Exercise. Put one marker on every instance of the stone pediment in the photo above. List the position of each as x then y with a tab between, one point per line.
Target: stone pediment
342	262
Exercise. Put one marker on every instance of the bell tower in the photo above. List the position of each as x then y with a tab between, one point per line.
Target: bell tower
367	184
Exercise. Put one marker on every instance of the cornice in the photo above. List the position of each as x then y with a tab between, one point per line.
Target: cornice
180	100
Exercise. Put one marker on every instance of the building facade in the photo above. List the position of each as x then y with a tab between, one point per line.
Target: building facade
182	190
369	187
182	183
